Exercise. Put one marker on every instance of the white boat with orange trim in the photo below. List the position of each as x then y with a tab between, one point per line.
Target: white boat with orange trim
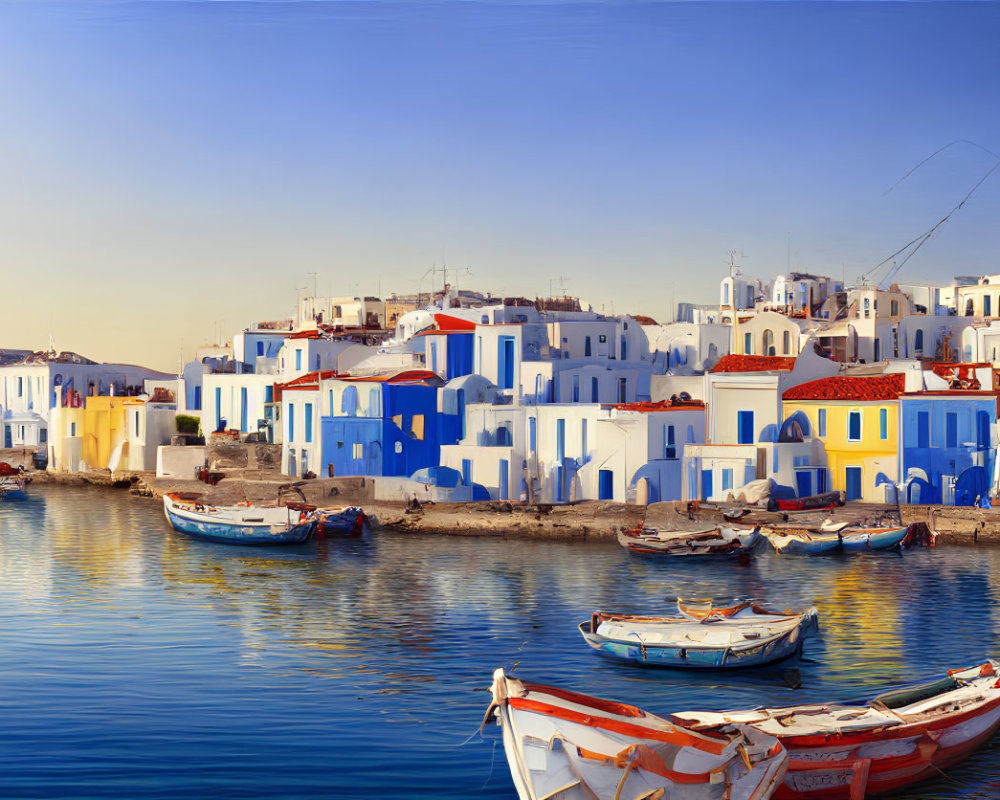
561	745
743	634
843	752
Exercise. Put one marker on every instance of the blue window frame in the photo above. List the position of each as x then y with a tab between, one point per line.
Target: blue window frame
854	426
291	422
560	440
744	427
727	479
218	407
531	433
822	422
504	480
803	482
260	348
298	359
243	409
883	423
309	422
586	347
670	450
593	390
982	430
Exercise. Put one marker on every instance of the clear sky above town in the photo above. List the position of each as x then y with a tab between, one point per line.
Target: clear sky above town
170	169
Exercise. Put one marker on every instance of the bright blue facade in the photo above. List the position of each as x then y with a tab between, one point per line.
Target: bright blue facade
946	441
358	445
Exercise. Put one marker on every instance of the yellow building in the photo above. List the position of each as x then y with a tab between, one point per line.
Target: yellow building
857	419
109	432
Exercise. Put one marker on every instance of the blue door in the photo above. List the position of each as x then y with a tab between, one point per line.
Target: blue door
744	427
852	482
504	480
706	484
605	485
803	481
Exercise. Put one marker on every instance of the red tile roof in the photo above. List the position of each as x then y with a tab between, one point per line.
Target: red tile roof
660	405
446	322
874	387
733	363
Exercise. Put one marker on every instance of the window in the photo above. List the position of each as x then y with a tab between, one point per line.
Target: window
768	349
291	422
918	342
786	343
670	449
867	312
982	429
822	422
923	429
894	308
951	429
309	422
593	390
531	433
358	451
260	349
987	306
725	294
727	479
602	338
136	423
748	344
622	396
586	346
298	359
854	426
72	429
576	388
883	423
744	427
624	349
20	387
560	440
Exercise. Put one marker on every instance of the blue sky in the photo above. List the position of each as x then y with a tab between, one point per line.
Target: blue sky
168	168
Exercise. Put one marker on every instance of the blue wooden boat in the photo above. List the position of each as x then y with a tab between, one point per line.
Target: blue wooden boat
741	635
834	539
13	483
857	540
240	524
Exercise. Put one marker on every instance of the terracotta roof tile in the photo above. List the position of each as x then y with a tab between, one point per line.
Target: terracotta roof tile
874	387
736	363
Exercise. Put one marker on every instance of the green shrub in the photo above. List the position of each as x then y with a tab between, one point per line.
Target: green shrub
186	424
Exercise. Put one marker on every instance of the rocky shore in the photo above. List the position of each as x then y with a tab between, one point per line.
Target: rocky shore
582	521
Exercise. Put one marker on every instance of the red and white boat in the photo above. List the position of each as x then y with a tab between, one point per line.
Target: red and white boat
839	752
561	745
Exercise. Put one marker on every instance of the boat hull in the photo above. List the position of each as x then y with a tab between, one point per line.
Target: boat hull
633	645
875	539
900	738
723	542
200	526
563	744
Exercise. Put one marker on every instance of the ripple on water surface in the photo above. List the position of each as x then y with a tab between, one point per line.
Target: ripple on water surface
139	663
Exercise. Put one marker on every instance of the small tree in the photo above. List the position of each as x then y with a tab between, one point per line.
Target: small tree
188	424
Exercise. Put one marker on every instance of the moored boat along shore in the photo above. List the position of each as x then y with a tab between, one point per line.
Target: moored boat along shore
589	520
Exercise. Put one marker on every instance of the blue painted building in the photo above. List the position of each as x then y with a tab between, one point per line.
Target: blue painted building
383	426
946	446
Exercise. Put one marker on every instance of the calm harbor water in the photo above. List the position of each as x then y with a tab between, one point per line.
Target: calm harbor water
135	662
